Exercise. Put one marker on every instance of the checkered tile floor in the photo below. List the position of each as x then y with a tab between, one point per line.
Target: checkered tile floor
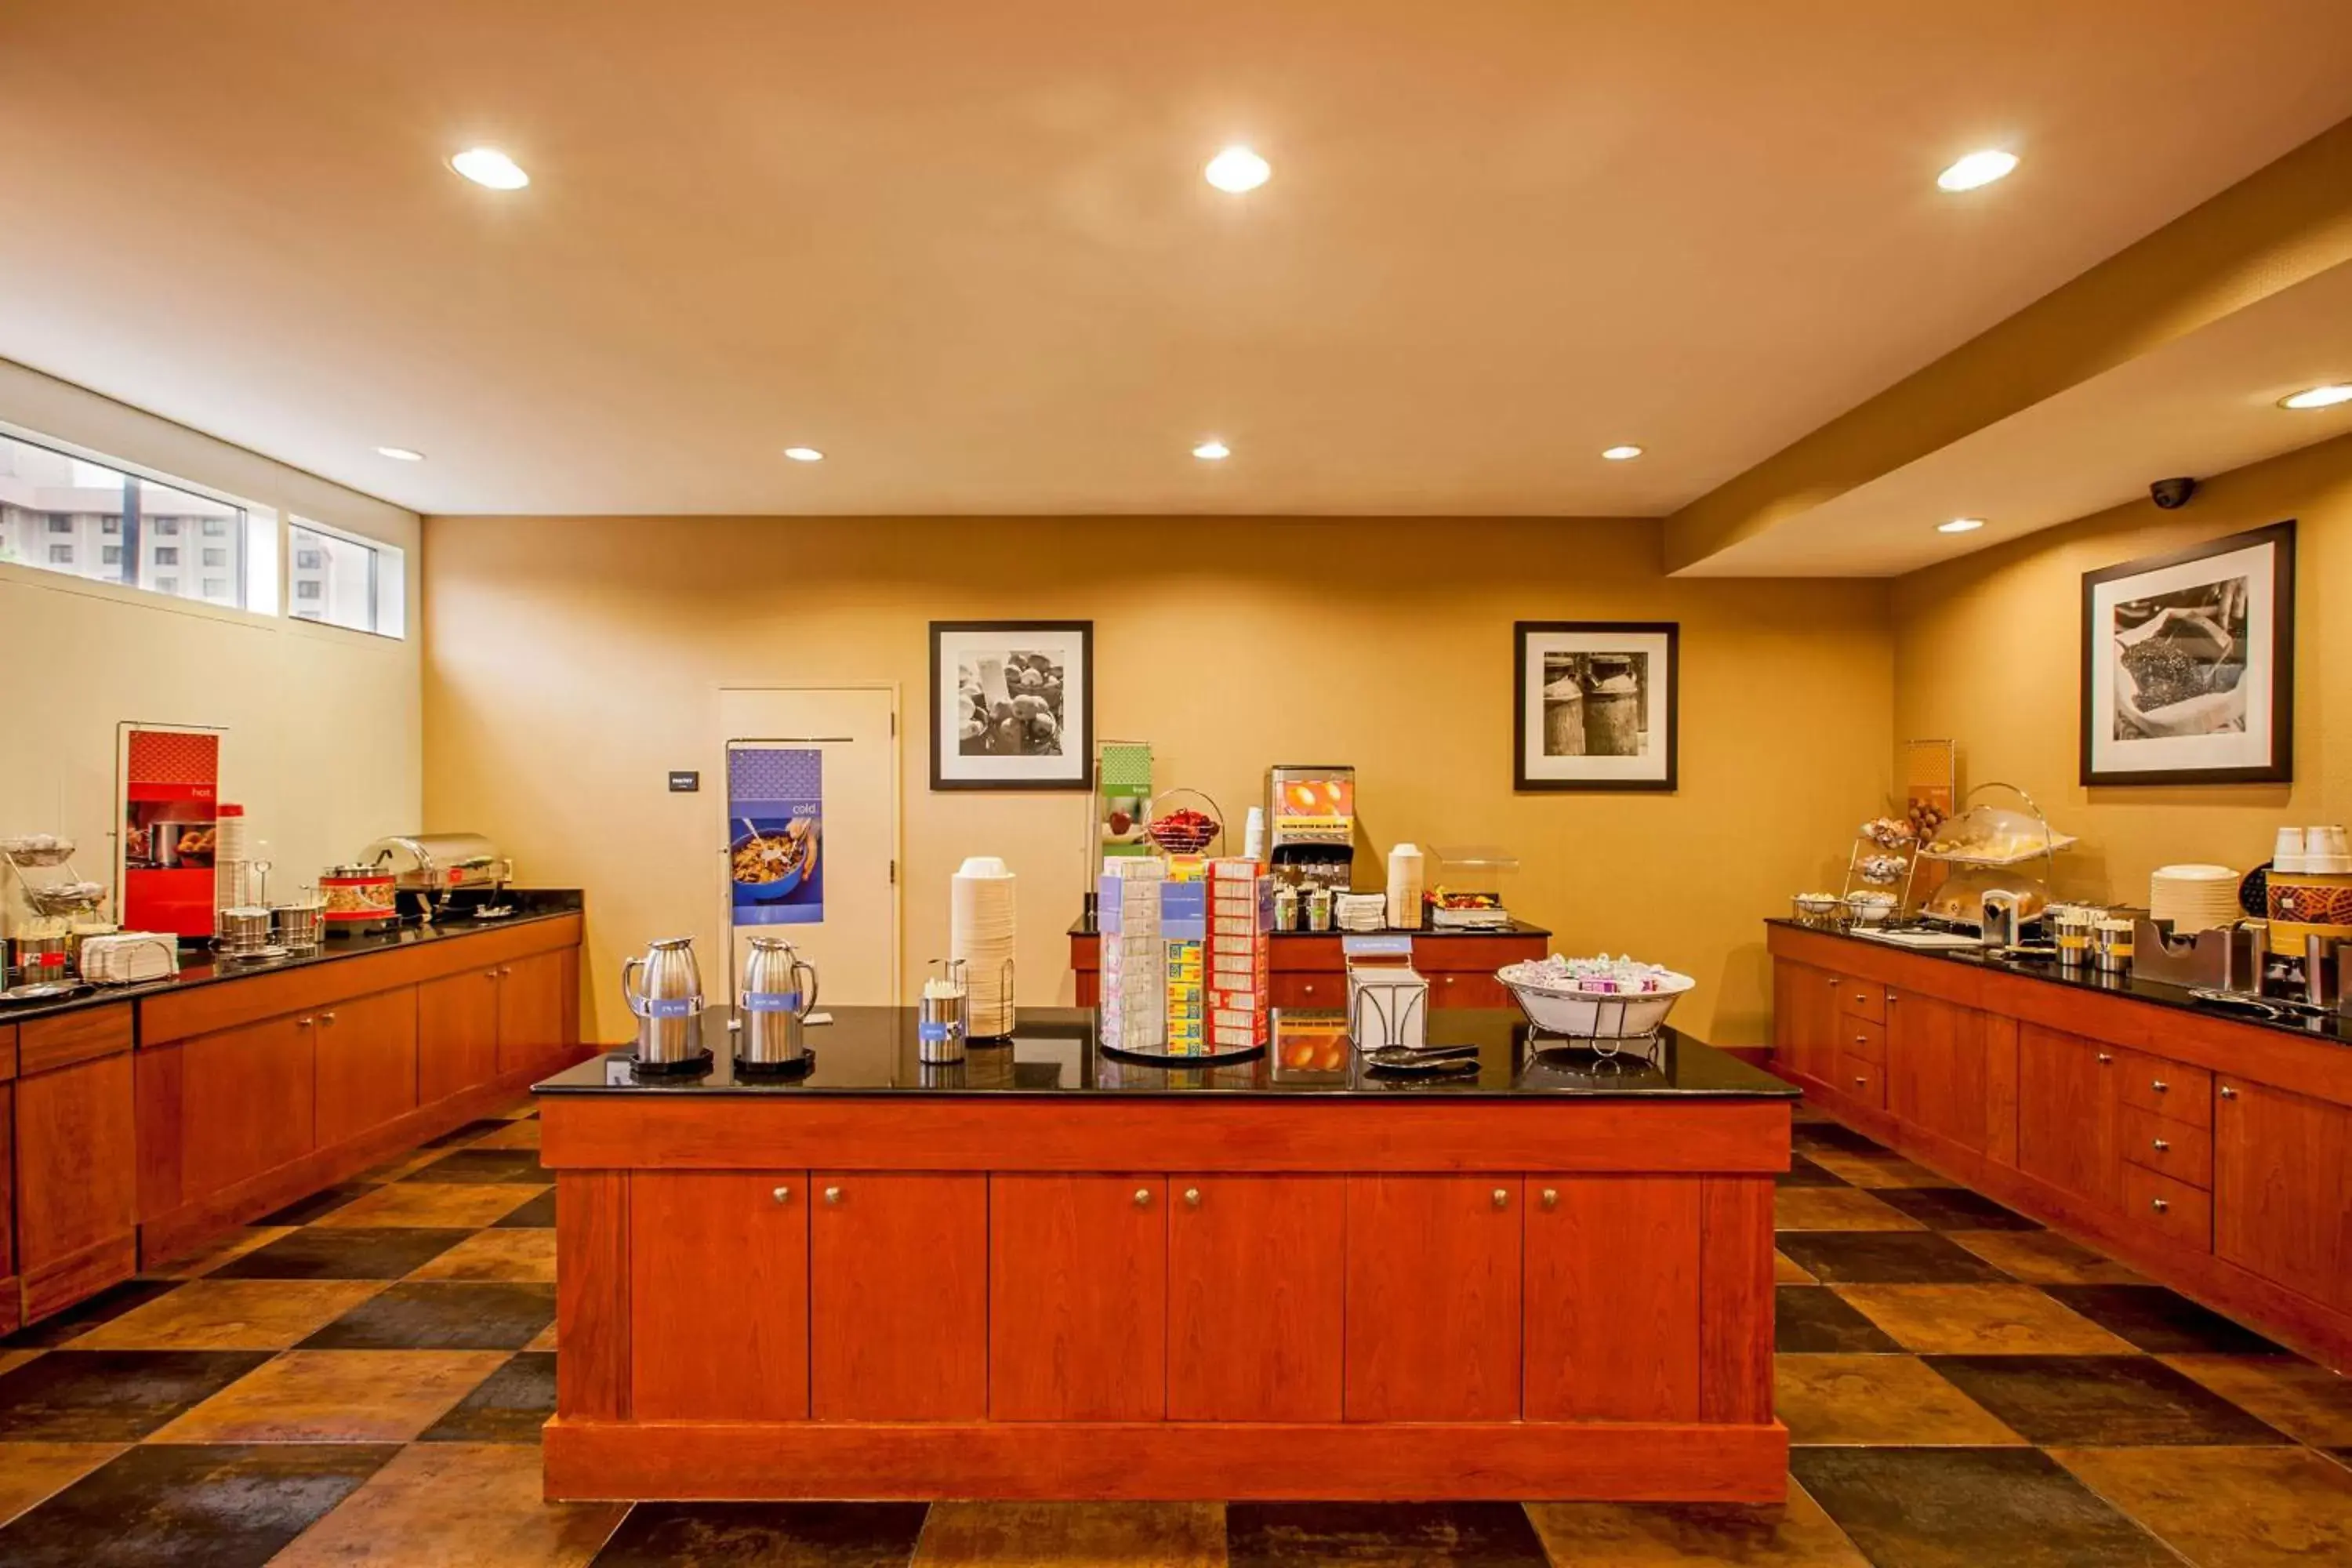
359	1378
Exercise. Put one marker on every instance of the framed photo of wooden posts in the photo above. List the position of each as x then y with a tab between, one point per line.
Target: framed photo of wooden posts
2188	665
1596	707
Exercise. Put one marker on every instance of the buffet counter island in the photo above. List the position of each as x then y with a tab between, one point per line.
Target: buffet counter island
138	1122
2208	1146
1052	1271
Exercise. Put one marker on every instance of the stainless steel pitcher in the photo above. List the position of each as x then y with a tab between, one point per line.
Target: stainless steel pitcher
779	992
667	1003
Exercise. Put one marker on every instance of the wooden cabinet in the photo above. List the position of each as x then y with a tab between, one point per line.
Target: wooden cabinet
1256	1297
366	1051
1612	1298
718	1262
2068	1110
2283	1187
898	1296
457	1033
246	1102
1943	1063
1078	1298
75	1159
1805	1019
1432	1298
1451	989
536	1003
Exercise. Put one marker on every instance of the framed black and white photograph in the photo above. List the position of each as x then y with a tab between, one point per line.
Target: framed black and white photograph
2188	665
1012	704
1596	705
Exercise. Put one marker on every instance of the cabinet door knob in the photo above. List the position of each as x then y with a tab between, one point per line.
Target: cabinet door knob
1862	1039
2159	1204
2104	1059
2159	1144
490	974
783	1195
1501	1198
1192	1196
2229	1093
1835	983
833	1194
1551	1197
504	970
301	1023
326	1018
2159	1085
1861	1083
1143	1197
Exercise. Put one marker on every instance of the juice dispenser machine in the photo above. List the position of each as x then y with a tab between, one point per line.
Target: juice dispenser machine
1310	825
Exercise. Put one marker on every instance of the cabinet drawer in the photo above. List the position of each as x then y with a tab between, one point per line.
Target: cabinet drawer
1860	1079
1860	999
2160	1143
2167	1088
1468	991
1861	1037
2182	1213
1309	990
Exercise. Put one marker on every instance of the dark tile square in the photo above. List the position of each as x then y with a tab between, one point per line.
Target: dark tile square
2100	1401
466	1135
1834	1135
1489	1534
1886	1258
2162	1321
1942	1508
1815	1320
833	1534
325	1201
83	1316
111	1397
537	1214
435	1316
505	1166
331	1252
1955	1209
227	1506
1803	1172
508	1405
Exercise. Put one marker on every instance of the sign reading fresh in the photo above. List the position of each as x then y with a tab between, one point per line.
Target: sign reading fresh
775	808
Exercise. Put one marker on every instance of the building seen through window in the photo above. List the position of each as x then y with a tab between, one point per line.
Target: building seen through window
55	508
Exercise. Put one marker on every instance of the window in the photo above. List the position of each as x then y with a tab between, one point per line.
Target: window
215	556
215	587
44	492
347	581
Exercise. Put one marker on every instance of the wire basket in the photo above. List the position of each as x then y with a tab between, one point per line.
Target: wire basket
1185	830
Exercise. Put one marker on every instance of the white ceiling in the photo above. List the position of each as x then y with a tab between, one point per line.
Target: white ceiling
966	249
2201	404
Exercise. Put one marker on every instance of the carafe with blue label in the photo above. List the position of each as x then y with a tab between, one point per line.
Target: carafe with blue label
779	992
664	989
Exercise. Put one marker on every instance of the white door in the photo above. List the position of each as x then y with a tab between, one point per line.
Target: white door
831	873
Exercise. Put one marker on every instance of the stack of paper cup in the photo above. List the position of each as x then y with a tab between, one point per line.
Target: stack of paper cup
2193	898
1406	868
981	931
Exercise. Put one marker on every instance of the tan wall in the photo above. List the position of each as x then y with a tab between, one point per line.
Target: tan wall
570	662
1987	651
324	743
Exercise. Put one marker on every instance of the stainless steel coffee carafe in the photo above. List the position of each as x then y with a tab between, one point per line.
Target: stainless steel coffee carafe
779	992
664	989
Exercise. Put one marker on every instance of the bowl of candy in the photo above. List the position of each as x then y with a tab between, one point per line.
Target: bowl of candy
1601	998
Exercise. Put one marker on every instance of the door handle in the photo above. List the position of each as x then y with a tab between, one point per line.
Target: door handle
1192	1196
1143	1197
2159	1204
2159	1085
2229	1093
2159	1144
1501	1198
326	1018
783	1195
2104	1059
1551	1197
833	1196
301	1023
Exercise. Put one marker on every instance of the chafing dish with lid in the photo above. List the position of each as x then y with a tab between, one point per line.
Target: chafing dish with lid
439	872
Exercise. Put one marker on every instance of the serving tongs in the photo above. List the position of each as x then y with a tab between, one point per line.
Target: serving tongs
1422	1059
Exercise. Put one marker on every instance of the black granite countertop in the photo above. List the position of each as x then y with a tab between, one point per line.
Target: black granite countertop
871	1050
1085	926
2329	1028
199	967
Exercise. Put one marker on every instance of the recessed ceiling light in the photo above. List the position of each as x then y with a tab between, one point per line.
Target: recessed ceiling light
489	166
1981	167
403	453
2326	397
1237	169
1960	525
804	454
1621	454
1212	451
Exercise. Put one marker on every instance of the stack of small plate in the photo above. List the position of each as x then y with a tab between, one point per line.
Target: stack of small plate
2193	898
981	931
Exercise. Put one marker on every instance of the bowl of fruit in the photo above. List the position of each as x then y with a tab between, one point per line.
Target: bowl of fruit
1184	829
